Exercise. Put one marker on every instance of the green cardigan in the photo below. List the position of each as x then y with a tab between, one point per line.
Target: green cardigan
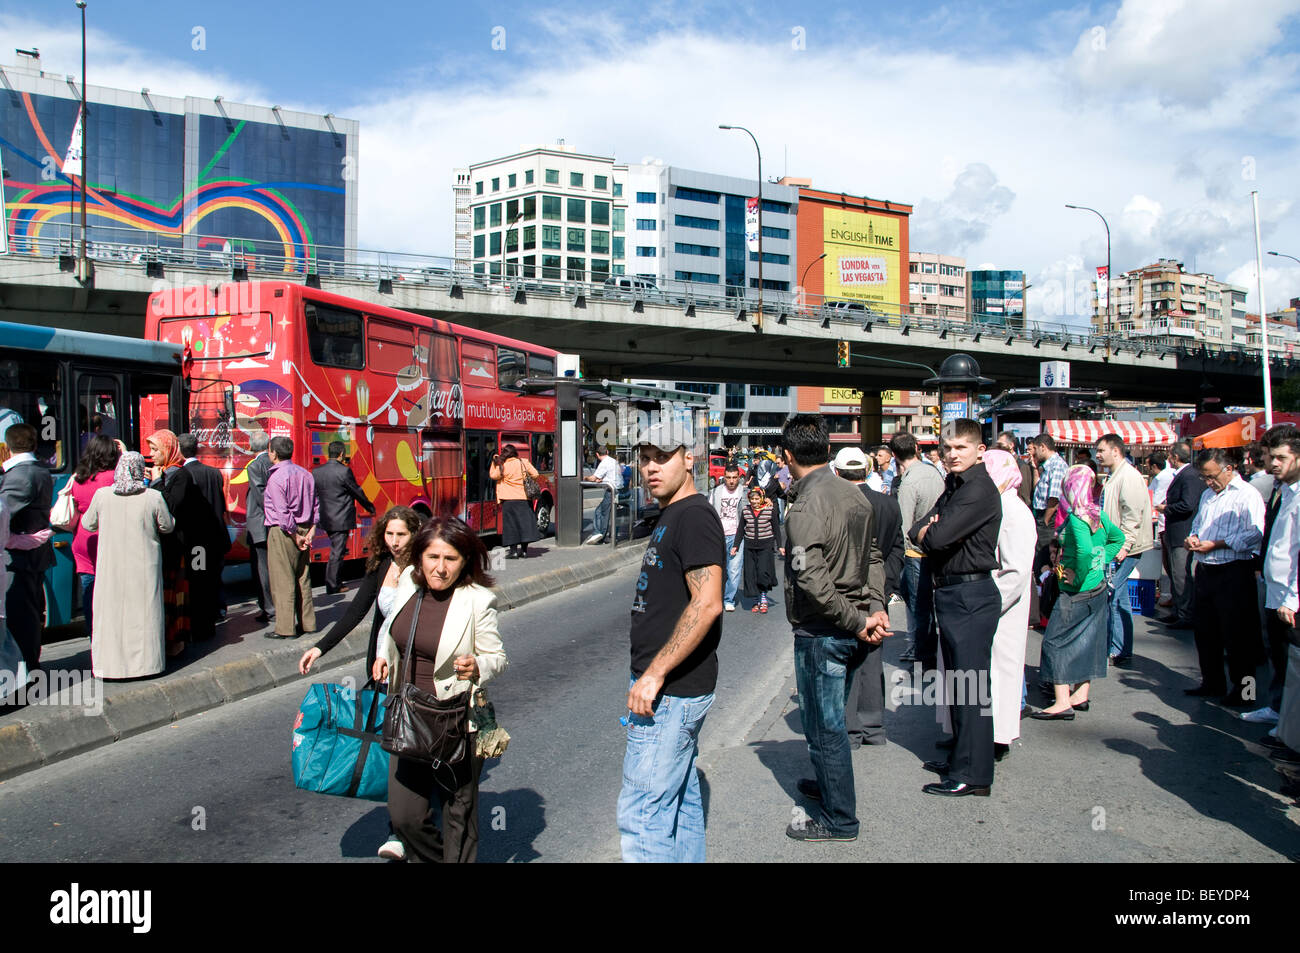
1081	551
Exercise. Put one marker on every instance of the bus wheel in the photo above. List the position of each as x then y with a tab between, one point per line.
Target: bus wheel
544	516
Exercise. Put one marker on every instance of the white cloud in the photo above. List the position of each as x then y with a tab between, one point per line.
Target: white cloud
963	217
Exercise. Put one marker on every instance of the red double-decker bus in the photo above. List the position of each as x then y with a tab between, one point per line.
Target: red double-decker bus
421	404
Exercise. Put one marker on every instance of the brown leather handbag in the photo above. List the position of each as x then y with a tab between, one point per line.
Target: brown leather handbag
421	726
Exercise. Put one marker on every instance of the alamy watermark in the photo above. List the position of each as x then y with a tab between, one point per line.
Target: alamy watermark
65	689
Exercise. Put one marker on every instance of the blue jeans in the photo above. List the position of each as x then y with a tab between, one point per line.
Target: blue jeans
600	519
918	592
824	666
735	566
660	809
1119	624
87	580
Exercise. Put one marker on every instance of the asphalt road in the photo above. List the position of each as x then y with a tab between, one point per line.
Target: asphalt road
217	786
1147	776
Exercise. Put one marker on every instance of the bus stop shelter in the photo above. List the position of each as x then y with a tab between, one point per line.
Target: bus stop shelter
613	413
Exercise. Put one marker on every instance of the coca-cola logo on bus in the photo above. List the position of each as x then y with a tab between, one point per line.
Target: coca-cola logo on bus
446	402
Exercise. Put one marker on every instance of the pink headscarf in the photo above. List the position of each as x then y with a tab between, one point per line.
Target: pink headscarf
1002	469
1077	497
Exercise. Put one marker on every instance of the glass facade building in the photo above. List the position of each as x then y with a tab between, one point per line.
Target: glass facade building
996	298
175	173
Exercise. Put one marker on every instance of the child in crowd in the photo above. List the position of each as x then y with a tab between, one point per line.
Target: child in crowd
761	531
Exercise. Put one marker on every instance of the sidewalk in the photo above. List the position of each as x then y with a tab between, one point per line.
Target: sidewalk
82	713
1147	775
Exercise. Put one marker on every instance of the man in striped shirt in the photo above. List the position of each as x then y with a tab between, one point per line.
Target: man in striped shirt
1051	469
1226	535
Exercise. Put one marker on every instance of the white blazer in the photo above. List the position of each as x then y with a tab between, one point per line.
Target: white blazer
470	628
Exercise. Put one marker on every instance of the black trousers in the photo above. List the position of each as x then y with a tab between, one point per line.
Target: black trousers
205	586
25	612
1180	580
413	790
1279	640
338	544
261	576
967	614
1227	620
1042	559
864	711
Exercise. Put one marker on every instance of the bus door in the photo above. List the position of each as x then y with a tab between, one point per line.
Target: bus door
483	512
442	462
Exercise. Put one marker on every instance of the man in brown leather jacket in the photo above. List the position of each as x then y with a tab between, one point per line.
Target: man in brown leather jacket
834	580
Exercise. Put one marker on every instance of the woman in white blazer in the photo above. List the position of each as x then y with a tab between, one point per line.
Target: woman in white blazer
1017	541
456	645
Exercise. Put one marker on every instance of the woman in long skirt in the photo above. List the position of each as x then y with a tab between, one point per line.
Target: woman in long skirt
761	531
1074	645
165	452
519	523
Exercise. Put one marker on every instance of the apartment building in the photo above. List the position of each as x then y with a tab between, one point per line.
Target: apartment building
937	284
1164	303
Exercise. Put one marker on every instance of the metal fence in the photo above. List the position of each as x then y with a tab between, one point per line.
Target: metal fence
156	252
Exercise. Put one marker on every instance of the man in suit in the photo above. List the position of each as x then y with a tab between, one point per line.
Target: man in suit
339	494
864	711
1179	508
28	491
200	511
258	471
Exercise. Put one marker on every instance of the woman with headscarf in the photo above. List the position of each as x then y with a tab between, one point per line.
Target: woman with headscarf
1017	542
165	453
1075	644
129	622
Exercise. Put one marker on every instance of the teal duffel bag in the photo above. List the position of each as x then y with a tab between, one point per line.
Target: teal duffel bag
336	742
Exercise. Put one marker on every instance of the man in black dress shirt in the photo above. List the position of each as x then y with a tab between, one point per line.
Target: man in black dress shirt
960	537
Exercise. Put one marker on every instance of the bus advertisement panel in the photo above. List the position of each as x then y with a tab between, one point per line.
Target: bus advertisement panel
421	405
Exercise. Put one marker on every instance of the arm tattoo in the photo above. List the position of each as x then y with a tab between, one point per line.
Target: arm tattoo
690	630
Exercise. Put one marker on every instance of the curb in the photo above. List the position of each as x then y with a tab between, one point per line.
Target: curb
26	744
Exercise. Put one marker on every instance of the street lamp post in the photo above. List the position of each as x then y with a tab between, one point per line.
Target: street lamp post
505	240
1108	295
758	325
85	160
1263	315
1277	254
804	276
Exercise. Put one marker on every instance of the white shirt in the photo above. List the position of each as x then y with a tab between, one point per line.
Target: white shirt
18	458
1159	487
1235	517
873	480
1280	559
727	505
608	472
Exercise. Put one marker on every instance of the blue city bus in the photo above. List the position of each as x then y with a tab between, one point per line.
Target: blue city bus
71	385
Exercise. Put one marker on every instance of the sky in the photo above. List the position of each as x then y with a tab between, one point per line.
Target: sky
986	117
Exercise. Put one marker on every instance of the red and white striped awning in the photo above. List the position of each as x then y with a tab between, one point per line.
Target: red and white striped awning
1135	433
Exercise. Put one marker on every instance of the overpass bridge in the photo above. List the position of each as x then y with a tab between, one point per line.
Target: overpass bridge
681	332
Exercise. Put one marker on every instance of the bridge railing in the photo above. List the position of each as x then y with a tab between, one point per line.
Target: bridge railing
241	258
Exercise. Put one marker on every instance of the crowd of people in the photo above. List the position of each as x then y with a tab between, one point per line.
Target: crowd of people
150	540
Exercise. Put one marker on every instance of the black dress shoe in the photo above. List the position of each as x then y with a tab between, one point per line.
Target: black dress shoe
1067	715
1272	741
809	788
1202	691
1082	706
938	767
956	789
1000	751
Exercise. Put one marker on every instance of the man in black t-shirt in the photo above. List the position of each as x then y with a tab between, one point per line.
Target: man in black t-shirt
676	627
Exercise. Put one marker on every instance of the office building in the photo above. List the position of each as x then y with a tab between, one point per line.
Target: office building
547	212
173	172
996	297
937	285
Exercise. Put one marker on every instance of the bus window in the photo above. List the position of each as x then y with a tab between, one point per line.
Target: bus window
389	348
543	452
98	402
478	364
442	366
334	336
31	392
511	367
539	366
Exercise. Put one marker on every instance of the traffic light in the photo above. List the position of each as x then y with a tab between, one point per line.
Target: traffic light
842	353
938	420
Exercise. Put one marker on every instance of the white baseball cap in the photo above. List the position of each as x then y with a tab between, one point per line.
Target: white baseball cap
850	458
